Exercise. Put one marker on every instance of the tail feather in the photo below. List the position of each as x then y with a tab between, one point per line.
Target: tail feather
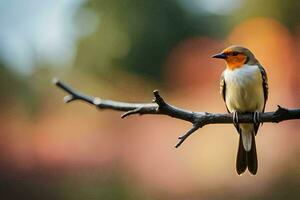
246	158
252	157
241	161
247	132
246	155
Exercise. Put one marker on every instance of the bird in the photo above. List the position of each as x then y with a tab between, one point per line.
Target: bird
244	89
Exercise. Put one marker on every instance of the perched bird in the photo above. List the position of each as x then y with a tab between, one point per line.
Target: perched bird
244	88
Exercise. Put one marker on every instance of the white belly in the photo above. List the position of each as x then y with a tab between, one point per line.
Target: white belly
244	90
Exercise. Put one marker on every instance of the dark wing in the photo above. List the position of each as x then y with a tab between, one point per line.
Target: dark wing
223	89
265	89
264	84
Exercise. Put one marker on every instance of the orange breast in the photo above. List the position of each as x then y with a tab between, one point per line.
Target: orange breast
234	62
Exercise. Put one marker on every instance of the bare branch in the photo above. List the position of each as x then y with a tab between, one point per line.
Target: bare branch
187	134
160	107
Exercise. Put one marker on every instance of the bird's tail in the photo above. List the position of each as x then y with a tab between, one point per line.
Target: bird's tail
241	159
252	157
246	156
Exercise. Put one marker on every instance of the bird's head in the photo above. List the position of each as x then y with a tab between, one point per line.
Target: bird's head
236	56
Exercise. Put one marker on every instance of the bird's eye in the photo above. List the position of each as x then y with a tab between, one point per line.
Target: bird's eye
235	53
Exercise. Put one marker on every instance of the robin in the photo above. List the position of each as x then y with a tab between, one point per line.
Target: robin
244	88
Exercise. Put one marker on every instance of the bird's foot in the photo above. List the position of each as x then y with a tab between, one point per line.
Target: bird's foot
256	117
235	118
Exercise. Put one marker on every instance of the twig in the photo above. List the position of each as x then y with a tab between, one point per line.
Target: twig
160	107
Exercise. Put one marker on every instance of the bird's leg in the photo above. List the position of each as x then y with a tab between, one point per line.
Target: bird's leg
256	117
235	118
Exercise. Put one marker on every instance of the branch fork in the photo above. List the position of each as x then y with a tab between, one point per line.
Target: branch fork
160	107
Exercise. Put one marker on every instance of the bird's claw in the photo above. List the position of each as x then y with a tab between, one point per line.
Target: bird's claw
256	117
235	118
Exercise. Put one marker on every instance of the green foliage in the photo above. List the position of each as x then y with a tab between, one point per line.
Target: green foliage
137	36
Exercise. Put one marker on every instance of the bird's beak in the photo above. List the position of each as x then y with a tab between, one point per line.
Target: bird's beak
220	55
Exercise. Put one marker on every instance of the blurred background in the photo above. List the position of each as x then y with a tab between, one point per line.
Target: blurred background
122	50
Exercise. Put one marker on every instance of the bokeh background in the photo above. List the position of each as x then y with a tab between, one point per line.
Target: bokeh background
122	50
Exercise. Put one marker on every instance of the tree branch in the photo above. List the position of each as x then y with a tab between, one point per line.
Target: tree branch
160	107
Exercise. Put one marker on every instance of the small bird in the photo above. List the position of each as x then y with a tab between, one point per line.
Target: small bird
244	88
